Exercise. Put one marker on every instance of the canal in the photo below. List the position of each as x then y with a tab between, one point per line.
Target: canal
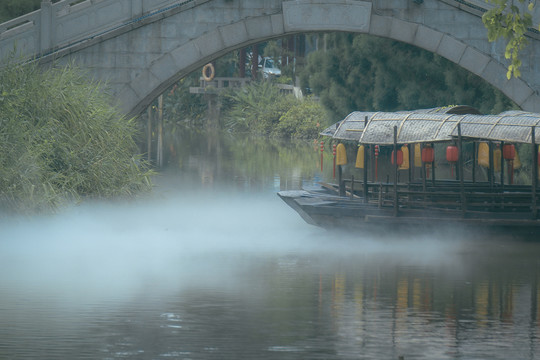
213	265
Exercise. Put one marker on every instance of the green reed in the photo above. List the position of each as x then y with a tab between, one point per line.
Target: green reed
61	140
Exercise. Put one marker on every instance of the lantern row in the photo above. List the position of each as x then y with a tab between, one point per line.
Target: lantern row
425	154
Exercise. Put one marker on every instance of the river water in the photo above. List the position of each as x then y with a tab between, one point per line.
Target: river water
213	265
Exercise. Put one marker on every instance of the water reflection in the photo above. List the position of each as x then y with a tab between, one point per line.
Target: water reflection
438	311
223	269
247	163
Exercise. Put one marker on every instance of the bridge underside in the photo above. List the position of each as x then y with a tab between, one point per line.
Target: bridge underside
142	60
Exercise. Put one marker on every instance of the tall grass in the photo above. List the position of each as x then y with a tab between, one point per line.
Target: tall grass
256	108
260	108
61	140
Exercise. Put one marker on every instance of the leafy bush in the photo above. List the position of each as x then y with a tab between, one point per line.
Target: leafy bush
60	139
303	121
183	108
256	108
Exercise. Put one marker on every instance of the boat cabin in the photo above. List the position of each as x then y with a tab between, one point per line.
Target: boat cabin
448	164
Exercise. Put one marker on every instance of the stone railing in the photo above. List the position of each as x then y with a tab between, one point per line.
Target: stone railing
69	21
218	84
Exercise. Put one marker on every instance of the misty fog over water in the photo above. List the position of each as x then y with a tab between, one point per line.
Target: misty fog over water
213	265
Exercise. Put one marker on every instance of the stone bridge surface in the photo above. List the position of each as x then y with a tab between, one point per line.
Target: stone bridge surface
142	47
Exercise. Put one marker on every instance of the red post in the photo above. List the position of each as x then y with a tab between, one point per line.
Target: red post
376	160
322	150
254	61
334	154
511	170
242	63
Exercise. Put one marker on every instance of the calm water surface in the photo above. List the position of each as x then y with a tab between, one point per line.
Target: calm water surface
214	266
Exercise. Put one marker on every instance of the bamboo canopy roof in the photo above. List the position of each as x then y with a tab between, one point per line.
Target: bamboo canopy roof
350	128
435	125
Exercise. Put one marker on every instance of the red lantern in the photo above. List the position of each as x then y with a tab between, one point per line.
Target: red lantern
452	157
509	152
376	150
428	155
399	158
452	153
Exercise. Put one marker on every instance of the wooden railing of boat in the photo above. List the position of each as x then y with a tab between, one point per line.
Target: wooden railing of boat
457	197
470	199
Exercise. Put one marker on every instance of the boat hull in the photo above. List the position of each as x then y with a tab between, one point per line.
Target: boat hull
334	212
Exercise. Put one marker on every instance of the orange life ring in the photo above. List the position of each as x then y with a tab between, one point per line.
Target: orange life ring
208	72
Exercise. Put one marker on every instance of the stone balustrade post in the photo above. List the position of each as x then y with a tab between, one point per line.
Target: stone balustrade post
136	8
46	26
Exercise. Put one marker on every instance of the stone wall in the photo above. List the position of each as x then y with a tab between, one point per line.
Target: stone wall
141	47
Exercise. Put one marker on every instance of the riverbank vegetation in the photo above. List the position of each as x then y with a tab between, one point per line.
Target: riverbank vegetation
366	73
262	109
60	140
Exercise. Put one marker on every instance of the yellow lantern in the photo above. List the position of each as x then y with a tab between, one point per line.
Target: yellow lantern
483	154
497	153
417	155
405	164
341	155
360	157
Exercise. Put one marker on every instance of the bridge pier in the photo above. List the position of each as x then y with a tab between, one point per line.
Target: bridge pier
213	111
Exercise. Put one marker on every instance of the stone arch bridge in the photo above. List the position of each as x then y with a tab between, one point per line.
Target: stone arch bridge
142	47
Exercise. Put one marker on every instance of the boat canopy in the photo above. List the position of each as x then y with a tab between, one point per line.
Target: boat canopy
509	126
352	127
435	125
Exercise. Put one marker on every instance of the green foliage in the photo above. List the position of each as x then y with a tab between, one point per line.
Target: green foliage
226	66
303	121
361	72
256	108
283	79
181	107
508	21
60	139
253	156
273	49
10	9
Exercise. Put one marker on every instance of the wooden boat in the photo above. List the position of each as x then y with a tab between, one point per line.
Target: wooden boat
402	178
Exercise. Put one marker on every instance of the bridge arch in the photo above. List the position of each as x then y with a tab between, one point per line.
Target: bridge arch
141	61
